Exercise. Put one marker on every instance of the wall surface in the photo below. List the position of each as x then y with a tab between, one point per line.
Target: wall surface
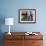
9	8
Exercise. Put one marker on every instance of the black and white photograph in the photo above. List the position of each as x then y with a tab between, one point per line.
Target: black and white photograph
27	15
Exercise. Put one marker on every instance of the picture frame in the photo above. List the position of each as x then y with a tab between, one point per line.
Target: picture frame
27	16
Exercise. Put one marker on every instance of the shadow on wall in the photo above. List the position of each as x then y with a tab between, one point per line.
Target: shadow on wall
2	21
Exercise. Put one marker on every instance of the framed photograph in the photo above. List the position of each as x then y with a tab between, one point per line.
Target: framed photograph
27	15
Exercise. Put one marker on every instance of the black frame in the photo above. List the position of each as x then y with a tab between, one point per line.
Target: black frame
33	11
